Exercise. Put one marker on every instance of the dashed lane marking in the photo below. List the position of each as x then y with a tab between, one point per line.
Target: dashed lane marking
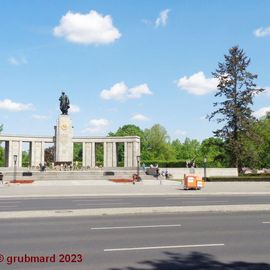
163	247
136	227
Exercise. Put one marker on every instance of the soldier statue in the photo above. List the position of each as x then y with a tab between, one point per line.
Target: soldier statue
64	103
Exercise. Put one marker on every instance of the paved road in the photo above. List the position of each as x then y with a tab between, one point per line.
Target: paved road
157	242
52	203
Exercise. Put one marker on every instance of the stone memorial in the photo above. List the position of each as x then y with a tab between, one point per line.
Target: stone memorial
64	140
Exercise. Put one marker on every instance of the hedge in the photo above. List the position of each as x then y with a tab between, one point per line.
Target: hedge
165	163
181	163
239	179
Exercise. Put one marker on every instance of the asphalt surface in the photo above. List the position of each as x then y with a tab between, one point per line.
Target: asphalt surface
158	242
52	203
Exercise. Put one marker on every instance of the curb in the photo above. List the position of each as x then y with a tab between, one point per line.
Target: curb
134	211
174	194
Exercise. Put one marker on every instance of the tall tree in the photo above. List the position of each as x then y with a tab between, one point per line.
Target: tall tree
263	150
128	130
237	89
213	149
157	143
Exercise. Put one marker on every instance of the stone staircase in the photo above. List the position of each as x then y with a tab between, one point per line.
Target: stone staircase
94	174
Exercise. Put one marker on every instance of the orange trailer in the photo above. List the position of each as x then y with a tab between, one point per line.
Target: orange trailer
193	182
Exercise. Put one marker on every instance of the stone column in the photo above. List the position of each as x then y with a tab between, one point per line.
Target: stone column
63	137
110	156
89	158
125	155
93	155
15	148
83	155
105	156
129	156
114	154
42	157
136	152
37	153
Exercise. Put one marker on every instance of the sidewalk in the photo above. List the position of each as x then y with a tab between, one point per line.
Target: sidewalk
146	188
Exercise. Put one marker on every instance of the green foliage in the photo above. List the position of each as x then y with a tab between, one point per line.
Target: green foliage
25	159
262	149
156	148
239	179
77	152
237	89
127	130
157	144
188	150
2	156
213	149
165	163
99	155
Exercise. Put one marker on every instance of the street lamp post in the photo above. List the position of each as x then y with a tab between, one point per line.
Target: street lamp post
15	167
138	166
204	169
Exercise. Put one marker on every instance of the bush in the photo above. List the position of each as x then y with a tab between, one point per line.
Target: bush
180	163
239	179
165	163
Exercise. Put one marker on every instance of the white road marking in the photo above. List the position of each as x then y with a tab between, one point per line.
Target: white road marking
136	227
181	198
163	247
99	200
265	222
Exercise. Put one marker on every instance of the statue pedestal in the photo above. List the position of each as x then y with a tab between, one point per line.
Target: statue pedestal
63	140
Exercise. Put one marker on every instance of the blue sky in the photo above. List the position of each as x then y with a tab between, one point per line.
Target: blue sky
124	62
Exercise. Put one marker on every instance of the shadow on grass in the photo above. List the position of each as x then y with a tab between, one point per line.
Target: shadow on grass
194	260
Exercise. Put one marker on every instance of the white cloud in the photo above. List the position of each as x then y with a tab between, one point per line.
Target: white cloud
138	91
262	32
117	92
121	92
74	108
163	18
139	117
197	84
180	132
40	117
9	105
97	125
261	112
90	28
17	61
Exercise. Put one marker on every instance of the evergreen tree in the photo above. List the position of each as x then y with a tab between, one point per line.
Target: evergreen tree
237	88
